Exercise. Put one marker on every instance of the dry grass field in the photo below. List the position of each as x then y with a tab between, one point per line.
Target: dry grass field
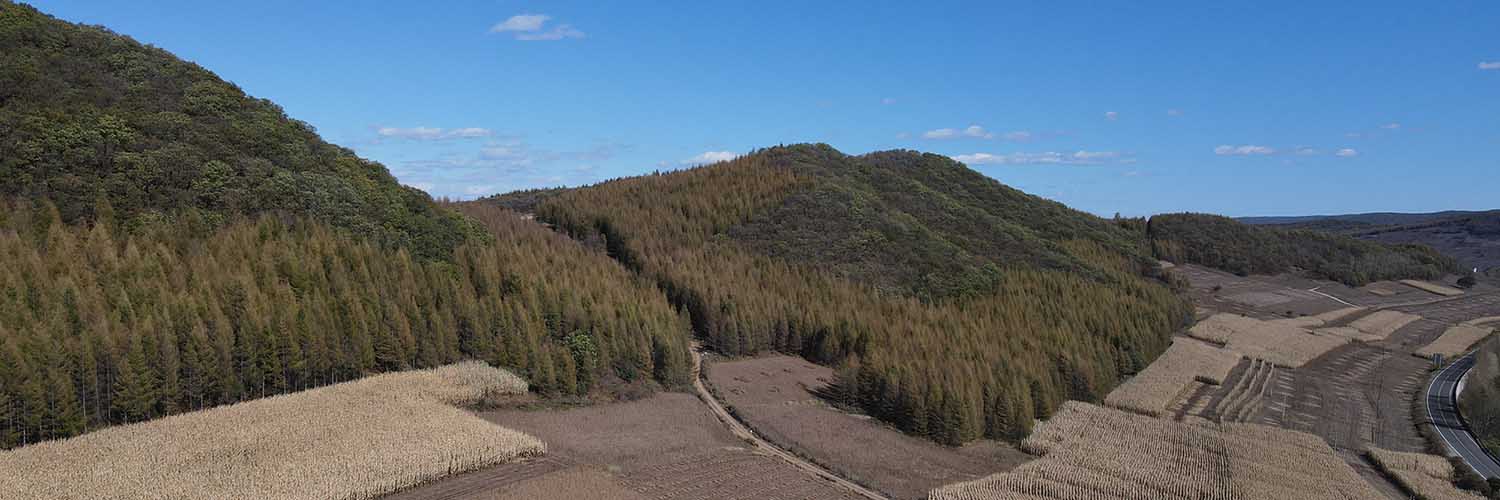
1428	477
772	394
1455	340
1278	342
1435	288
1090	452
1156	388
355	440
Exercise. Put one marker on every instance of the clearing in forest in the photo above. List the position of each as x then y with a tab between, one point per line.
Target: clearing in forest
354	440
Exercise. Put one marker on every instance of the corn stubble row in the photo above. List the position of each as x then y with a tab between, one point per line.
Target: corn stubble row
355	440
1095	453
1455	340
1281	342
1427	476
1153	390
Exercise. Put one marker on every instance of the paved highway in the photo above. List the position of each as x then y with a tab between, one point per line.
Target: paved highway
1442	409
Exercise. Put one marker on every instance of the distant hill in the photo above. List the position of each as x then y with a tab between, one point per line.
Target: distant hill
1230	245
955	307
1470	237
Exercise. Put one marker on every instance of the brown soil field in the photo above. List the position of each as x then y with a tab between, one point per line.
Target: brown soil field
664	447
773	394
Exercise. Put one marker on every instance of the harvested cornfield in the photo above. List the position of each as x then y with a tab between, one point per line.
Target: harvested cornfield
1091	452
1428	477
1433	288
1159	385
1338	314
1383	323
1454	341
355	440
1276	342
1245	397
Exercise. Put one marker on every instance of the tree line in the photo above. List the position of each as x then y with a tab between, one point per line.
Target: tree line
102	326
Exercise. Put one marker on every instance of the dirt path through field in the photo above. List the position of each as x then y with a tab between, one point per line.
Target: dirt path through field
741	431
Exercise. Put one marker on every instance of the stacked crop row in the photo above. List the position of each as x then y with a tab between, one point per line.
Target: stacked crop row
1455	341
1277	342
355	440
1165	380
1095	453
1433	288
1428	477
1245	397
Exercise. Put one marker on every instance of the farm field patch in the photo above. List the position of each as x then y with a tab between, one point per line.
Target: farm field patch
1094	452
1168	378
775	396
354	440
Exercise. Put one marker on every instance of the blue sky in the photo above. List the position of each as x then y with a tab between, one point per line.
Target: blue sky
1241	108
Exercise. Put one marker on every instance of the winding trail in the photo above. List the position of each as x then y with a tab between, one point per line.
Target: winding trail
741	431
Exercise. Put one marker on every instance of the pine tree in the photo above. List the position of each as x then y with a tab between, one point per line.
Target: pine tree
136	386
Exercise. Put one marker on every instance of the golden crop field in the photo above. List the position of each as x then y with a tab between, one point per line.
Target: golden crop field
1165	380
1279	342
1427	476
1095	453
1455	340
1383	323
355	440
1433	288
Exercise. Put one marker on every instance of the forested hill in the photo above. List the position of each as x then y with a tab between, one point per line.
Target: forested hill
954	306
1234	246
170	244
87	115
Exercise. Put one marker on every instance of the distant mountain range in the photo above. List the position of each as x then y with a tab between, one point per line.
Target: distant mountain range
1472	237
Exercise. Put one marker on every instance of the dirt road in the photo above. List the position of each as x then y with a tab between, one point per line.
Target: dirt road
742	432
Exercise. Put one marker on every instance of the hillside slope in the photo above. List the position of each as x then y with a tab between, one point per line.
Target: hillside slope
89	115
171	244
956	307
1472	238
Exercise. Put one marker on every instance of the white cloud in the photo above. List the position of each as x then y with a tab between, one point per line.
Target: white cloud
942	133
1391	126
522	22
1044	158
1489	65
529	27
1305	151
1346	153
479	190
432	133
1111	115
888	101
903	135
710	157
1246	150
977	132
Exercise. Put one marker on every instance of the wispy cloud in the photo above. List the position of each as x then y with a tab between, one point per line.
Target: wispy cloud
431	133
1346	153
503	165
888	101
1174	112
1246	150
1391	126
978	132
1489	65
1046	158
1111	115
709	157
532	27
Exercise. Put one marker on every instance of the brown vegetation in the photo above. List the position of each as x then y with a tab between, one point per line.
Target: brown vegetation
1279	342
1455	340
1159	385
1429	477
354	440
1089	452
1433	288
